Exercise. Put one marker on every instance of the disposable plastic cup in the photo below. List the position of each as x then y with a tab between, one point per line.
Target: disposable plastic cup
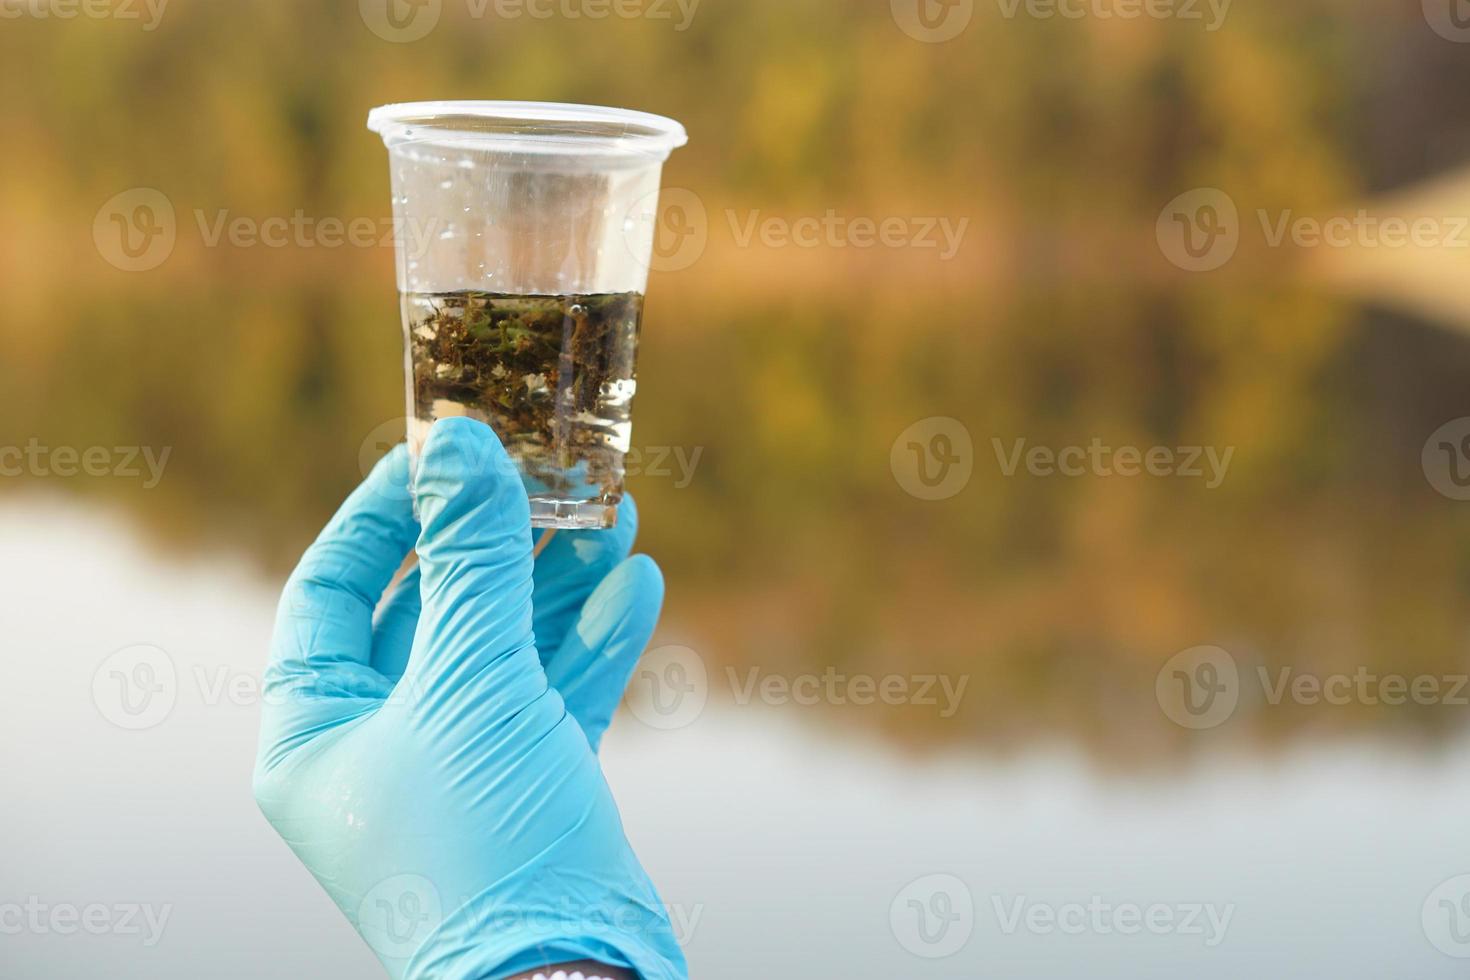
524	233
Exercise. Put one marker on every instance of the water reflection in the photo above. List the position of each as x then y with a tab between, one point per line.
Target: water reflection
786	849
1289	523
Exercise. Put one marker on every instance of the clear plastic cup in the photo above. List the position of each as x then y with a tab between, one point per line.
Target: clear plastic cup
524	233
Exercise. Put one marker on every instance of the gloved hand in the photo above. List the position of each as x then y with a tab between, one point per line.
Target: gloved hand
436	769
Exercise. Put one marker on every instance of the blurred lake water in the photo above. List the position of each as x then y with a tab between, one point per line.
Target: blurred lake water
1312	540
783	849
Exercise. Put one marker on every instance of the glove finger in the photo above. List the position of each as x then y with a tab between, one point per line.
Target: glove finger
323	636
474	636
398	620
570	567
319	675
592	668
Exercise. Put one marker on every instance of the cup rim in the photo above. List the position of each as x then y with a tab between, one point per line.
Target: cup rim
548	127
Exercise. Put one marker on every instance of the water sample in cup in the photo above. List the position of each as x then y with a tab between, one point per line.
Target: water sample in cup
524	234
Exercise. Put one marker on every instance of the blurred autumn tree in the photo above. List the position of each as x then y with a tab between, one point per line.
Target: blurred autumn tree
794	369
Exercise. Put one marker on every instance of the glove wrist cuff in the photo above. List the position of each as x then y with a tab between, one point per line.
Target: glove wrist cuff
584	970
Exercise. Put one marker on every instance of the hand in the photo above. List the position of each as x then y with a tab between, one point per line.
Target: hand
436	770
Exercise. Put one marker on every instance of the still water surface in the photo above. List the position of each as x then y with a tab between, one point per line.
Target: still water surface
785	849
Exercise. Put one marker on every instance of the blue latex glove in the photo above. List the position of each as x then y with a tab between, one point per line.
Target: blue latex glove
436	769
